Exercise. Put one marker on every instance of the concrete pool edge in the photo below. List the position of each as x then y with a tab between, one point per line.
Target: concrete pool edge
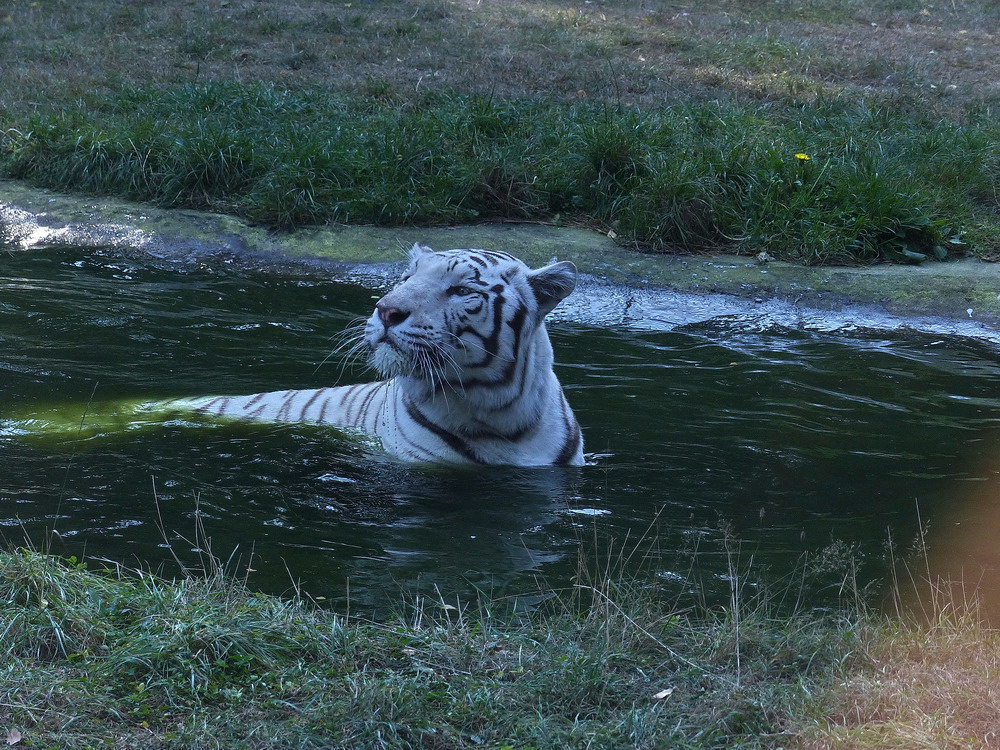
961	290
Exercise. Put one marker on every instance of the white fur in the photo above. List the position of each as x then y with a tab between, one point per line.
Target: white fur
461	386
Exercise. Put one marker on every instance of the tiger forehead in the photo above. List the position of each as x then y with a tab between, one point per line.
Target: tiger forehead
482	267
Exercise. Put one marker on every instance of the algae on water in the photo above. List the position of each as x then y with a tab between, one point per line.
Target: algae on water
93	421
75	421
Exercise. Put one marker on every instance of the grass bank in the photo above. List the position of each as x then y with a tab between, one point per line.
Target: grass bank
122	658
802	186
822	132
116	658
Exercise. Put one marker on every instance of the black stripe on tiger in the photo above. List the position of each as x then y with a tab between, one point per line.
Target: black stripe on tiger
516	360
310	402
495	257
412	446
572	443
352	397
366	403
214	406
284	413
451	439
343	401
516	436
522	366
491	343
256	399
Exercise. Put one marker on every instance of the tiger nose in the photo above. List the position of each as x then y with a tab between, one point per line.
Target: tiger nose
391	316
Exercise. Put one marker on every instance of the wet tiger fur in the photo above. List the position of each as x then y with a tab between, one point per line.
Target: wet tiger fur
462	342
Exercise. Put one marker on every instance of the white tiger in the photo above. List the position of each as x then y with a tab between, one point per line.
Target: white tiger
463	344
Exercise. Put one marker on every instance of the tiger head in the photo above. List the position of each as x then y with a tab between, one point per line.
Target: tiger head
464	316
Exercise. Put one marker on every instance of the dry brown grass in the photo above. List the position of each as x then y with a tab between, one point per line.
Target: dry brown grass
630	51
930	684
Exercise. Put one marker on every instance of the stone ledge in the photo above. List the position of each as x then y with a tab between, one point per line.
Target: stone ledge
966	289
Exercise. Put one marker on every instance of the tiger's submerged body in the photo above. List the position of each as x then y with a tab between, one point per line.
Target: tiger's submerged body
462	342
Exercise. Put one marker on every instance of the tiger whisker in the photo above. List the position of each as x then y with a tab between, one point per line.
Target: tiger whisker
473	345
435	373
443	359
449	360
350	346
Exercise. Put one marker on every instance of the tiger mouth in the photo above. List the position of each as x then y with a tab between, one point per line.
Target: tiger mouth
394	357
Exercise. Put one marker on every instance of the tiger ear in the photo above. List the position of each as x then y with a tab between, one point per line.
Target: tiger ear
552	284
417	250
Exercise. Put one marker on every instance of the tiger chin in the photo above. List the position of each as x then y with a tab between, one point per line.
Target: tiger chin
467	362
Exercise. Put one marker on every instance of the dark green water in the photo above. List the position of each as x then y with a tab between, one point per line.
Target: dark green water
788	442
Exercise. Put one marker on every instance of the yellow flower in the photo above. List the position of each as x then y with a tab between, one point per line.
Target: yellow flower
803	157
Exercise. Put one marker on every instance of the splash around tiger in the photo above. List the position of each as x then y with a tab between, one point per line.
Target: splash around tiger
461	341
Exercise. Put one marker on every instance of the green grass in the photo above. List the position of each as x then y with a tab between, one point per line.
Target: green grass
673	128
119	657
123	658
687	178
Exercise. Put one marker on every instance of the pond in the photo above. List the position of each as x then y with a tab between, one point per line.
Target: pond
710	446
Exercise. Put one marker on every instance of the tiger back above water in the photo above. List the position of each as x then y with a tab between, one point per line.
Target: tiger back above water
461	340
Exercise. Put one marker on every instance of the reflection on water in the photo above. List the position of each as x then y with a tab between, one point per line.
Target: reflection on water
786	441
